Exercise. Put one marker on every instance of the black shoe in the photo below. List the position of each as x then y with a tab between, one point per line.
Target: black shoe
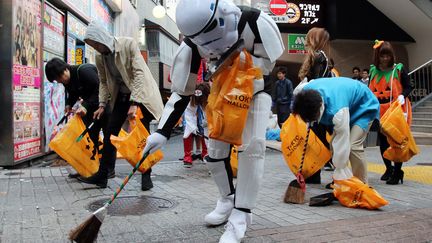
397	176
95	180
328	166
330	185
146	182
187	165
197	156
314	179
73	175
387	174
111	174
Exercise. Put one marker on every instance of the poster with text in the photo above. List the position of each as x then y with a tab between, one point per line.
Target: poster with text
101	13
27	78
53	22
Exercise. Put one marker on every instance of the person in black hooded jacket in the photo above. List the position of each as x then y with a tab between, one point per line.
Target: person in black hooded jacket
82	84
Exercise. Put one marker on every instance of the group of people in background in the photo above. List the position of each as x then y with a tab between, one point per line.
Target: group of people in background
386	78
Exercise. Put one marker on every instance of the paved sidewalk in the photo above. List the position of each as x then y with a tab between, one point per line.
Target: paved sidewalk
42	205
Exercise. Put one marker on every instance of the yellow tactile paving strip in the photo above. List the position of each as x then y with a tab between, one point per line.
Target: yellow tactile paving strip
421	174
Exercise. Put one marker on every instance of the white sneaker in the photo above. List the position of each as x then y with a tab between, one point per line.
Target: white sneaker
222	211
236	227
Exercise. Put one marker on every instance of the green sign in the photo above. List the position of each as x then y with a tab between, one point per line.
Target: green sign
296	43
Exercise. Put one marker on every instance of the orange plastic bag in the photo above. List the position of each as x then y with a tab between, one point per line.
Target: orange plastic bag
132	145
229	100
293	136
121	134
353	193
82	155
395	127
234	160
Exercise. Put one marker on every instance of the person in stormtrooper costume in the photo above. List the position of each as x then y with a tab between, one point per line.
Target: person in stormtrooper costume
211	27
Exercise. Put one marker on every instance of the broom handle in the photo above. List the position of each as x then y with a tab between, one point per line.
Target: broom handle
126	180
304	148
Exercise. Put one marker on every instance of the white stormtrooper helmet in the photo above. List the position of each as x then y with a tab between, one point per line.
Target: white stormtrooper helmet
210	24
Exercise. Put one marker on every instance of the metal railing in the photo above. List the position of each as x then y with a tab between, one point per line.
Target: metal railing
421	79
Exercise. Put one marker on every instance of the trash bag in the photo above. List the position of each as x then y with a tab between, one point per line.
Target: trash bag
83	155
353	193
234	160
293	136
132	145
395	127
121	134
229	100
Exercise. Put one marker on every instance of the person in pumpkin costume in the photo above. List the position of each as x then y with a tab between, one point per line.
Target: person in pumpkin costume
389	82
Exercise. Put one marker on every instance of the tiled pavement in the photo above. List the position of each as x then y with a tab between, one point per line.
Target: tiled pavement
42	205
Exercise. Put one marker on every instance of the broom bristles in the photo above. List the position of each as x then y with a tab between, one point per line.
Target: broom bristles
88	230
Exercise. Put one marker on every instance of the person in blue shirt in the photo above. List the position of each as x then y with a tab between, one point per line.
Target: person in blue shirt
346	106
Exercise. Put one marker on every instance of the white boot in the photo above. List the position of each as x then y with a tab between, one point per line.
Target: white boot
222	211
236	227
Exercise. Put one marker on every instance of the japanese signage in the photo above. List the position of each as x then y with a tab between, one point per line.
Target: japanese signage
26	81
79	55
296	43
71	45
102	14
81	6
299	13
75	27
53	30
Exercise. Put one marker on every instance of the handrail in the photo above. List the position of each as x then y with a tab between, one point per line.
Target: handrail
421	79
415	70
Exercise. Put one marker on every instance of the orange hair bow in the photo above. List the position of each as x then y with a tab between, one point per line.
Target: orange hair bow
378	43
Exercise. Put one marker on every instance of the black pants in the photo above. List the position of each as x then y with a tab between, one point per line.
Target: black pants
94	131
114	121
283	112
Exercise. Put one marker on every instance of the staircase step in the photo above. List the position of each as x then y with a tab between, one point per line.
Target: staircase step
421	115
422	138
422	121
422	128
427	103
424	109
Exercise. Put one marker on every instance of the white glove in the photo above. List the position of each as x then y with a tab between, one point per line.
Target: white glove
154	142
401	99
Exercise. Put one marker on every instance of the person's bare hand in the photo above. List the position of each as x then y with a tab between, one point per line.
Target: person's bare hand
98	113
132	112
68	109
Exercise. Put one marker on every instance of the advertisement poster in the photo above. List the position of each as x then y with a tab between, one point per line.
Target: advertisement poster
26	78
79	55
54	97
296	43
53	23
81	6
102	14
54	93
71	45
75	27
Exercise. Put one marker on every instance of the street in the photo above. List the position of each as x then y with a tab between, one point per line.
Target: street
43	204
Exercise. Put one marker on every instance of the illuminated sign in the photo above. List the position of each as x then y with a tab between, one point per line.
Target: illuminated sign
296	43
299	13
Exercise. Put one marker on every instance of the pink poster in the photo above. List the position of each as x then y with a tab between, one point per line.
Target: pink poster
27	78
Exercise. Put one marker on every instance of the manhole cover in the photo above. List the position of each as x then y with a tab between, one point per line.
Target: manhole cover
13	173
133	205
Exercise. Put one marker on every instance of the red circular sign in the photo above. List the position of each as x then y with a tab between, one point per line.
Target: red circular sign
278	7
